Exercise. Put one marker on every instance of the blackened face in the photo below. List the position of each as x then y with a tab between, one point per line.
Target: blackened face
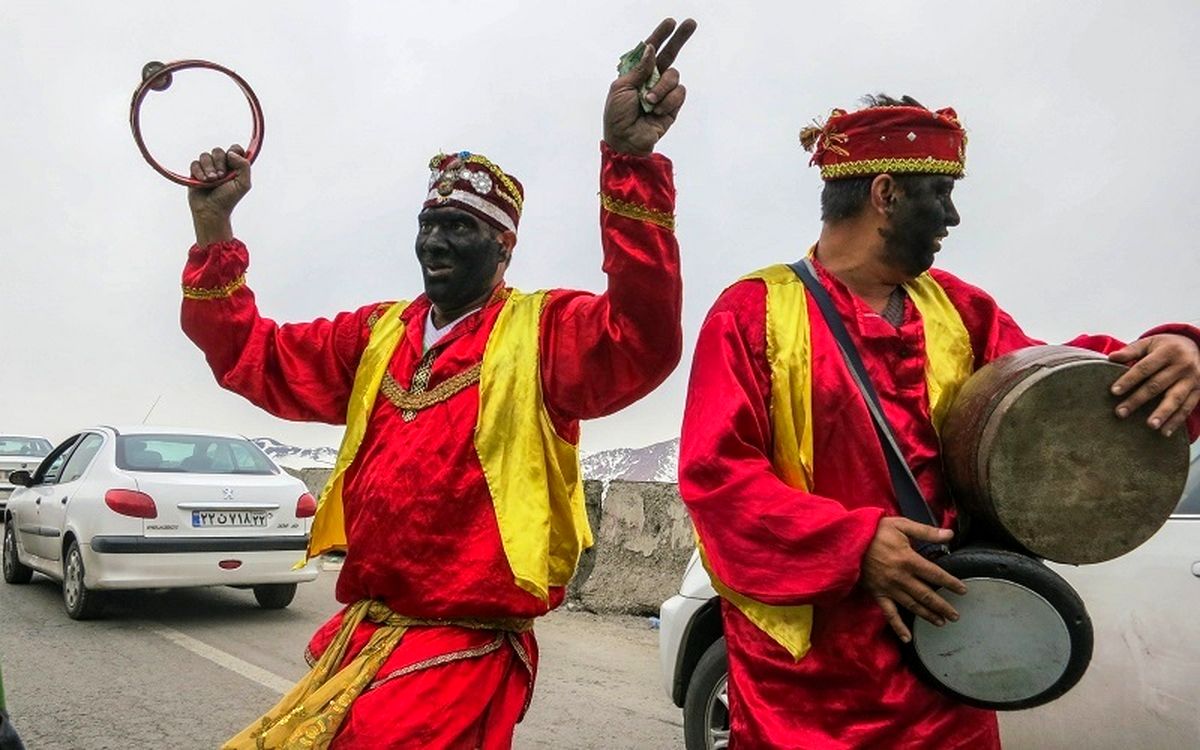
920	219
459	255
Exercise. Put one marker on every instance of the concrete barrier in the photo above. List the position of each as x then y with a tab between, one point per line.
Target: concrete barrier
643	540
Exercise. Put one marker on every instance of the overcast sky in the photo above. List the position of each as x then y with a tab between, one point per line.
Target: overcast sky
1083	118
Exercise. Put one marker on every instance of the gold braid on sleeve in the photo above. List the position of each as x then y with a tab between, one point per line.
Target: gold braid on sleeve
637	212
220	292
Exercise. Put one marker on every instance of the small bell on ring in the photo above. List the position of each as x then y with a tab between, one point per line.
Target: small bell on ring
150	69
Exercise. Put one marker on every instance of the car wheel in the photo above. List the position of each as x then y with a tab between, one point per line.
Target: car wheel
275	595
82	603
14	571
706	706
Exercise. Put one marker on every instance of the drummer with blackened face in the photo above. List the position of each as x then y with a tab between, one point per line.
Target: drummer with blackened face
785	477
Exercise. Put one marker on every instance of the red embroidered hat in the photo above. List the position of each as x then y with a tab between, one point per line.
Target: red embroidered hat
476	185
879	140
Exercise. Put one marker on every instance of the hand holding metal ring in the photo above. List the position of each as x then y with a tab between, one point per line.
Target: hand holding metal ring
157	76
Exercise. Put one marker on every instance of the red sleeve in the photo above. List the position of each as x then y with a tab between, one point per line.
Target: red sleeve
994	333
603	352
300	371
763	538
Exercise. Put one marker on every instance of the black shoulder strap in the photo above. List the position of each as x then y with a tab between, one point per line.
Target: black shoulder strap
908	494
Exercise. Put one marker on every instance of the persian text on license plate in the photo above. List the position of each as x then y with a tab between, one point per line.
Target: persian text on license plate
230	519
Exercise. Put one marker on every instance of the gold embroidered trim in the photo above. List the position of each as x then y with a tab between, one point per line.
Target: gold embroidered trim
513	195
437	661
220	292
521	653
524	657
896	164
637	212
377	313
418	398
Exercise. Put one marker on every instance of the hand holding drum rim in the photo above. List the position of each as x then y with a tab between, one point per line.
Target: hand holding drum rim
1165	364
212	205
628	128
898	576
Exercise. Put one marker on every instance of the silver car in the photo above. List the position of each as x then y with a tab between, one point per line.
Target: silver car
17	453
148	507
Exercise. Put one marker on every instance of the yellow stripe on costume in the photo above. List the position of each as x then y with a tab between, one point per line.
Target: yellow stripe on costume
532	474
949	362
329	525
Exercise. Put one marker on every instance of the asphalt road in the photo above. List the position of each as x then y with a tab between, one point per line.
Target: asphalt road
189	668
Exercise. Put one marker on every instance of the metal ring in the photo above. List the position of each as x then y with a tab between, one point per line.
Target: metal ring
157	76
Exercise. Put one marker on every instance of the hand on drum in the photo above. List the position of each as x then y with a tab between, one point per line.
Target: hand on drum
1167	364
213	206
897	575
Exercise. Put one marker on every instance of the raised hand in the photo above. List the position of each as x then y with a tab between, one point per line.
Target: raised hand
213	206
896	575
628	127
1166	364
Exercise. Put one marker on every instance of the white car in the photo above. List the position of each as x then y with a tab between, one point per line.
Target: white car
150	507
1142	688
19	452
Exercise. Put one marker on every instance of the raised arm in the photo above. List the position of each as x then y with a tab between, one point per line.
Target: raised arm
295	371
603	352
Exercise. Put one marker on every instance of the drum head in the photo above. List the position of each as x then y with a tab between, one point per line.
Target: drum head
1068	480
1023	637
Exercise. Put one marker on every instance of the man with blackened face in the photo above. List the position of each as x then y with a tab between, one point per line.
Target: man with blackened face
457	494
786	478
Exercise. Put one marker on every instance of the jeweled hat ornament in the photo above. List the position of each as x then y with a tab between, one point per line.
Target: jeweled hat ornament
474	184
893	140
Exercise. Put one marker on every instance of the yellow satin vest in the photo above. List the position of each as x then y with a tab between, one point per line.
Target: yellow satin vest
949	362
533	475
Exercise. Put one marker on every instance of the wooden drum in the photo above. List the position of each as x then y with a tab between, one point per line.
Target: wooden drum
1037	457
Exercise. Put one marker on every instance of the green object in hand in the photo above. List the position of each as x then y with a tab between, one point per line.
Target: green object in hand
628	62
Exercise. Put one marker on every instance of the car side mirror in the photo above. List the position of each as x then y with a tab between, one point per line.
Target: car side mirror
21	478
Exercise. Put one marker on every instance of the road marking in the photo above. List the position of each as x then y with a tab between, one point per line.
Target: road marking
269	680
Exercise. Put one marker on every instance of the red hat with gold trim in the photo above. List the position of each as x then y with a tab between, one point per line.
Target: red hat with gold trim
891	140
476	185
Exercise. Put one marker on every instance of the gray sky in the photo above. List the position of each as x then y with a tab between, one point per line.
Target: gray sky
1082	117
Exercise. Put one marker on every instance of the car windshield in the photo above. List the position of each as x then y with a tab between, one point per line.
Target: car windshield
12	445
191	454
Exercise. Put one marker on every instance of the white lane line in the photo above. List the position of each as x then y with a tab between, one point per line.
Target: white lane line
269	680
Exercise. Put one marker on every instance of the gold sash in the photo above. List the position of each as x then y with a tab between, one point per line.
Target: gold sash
309	716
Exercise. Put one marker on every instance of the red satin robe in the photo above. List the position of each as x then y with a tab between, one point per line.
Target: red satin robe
782	546
422	530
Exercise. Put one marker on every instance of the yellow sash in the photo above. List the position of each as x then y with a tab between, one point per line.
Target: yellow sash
533	475
949	362
309	716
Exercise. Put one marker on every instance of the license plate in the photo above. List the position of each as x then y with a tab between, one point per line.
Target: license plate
230	519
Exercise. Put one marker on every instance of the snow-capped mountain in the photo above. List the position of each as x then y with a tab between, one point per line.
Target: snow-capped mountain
291	457
654	463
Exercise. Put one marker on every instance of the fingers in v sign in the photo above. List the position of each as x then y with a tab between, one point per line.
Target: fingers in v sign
635	120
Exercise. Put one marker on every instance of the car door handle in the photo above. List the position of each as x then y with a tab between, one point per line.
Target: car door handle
63	501
38	501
